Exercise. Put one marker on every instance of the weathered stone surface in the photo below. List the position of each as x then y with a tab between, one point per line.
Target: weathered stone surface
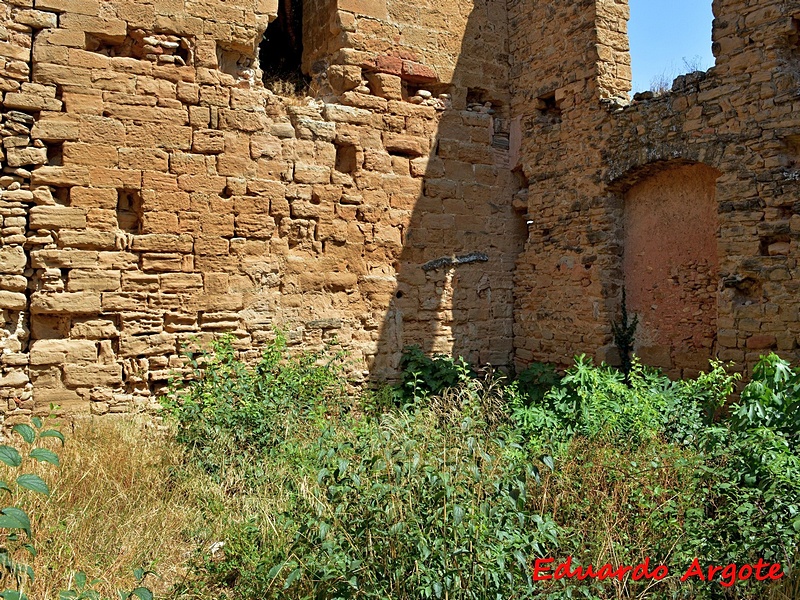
77	376
52	352
20	157
153	190
65	303
57	217
13	300
12	259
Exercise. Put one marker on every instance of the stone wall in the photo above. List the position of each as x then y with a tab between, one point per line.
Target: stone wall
155	195
458	176
589	148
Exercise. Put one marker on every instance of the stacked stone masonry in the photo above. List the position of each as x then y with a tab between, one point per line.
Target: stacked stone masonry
470	177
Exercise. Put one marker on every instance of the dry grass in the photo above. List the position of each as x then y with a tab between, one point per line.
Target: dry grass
115	505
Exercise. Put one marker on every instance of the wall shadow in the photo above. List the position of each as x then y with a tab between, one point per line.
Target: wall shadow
455	289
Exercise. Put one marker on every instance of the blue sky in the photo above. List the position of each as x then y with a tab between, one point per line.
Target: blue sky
665	32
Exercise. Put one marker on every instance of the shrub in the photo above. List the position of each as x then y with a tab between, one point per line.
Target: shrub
424	376
230	415
405	509
455	494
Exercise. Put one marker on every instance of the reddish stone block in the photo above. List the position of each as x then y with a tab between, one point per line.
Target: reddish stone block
418	73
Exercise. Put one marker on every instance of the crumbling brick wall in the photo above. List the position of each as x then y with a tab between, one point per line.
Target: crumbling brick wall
591	145
456	177
156	195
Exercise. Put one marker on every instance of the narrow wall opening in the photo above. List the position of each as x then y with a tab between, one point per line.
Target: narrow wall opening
281	50
671	268
668	39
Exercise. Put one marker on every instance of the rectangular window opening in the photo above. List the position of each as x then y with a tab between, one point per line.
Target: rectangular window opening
281	51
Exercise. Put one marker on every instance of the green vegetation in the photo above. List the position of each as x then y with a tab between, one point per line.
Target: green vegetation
273	480
455	485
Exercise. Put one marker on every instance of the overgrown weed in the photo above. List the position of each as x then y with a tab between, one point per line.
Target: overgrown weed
115	504
272	483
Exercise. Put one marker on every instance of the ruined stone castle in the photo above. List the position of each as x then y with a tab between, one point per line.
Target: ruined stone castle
468	176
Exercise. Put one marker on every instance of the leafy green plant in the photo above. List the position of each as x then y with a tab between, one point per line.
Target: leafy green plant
624	335
15	520
454	494
424	376
410	512
751	474
230	413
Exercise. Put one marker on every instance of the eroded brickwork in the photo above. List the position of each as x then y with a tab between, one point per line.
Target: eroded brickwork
458	176
587	146
157	195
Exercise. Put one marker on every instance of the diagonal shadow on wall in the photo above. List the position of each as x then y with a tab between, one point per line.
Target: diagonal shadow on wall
462	236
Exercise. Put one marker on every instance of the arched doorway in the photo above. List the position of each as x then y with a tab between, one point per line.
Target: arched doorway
670	266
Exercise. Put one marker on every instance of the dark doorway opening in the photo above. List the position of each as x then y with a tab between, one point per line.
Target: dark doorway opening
281	50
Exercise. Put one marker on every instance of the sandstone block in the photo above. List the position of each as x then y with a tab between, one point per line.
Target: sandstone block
62	177
53	352
13	300
87	240
349	114
16	378
344	78
91	155
386	86
12	259
304	173
208	141
406	145
20	157
65	303
63	259
94	329
110	28
78	376
69	401
143	158
159	222
98	280
36	19
31	102
242	120
162	242
202	183
57	217
162	262
366	101
221	302
55	130
13	283
83	197
81	7
255	225
211	245
418	73
181	282
263	145
761	341
147	345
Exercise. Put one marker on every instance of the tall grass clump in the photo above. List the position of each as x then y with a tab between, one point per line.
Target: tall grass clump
114	506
